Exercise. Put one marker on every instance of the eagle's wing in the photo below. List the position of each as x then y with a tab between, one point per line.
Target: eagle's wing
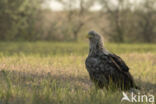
118	62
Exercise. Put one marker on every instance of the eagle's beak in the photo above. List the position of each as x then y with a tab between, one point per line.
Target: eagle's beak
88	36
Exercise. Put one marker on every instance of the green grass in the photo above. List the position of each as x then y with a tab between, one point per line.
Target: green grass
54	73
54	49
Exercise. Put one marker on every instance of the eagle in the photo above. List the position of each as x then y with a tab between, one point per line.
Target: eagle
107	70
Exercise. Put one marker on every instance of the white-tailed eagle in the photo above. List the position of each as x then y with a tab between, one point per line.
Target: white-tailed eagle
105	69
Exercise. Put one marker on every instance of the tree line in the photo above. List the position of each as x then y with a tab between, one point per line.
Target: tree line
117	21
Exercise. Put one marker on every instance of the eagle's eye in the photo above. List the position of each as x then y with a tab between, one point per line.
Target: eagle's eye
92	35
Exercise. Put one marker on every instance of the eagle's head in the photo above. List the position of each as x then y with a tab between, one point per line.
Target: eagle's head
95	38
96	41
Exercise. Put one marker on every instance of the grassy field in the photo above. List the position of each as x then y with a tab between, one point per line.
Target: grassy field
54	73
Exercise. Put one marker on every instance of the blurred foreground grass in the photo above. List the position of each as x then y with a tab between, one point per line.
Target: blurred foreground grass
54	73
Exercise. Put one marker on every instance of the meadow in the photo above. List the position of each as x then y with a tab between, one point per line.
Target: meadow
54	73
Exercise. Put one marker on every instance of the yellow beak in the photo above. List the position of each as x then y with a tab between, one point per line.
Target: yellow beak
88	36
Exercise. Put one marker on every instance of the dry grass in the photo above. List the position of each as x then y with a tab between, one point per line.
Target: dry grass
35	75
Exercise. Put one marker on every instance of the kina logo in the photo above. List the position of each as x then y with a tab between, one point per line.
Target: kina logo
138	98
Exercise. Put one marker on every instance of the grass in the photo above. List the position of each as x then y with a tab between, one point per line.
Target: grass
54	73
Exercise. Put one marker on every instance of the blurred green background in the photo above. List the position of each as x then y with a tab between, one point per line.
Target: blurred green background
69	20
